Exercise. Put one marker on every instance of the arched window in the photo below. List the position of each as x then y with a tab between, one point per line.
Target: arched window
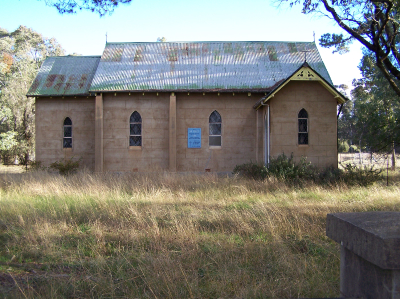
135	129
303	126
67	137
215	129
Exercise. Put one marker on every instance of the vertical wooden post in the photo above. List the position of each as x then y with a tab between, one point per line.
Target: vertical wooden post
172	132
98	134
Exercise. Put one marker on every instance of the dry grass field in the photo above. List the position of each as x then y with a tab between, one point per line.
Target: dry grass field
161	235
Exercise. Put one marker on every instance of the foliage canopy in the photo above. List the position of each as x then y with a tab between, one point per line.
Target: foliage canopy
101	7
372	118
375	24
21	55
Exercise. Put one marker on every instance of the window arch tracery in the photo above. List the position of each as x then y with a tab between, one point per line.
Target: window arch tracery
215	129
135	129
303	127
67	133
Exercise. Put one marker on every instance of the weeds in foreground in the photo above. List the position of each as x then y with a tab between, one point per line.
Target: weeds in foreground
285	169
162	235
66	167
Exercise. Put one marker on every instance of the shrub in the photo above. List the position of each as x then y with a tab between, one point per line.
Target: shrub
362	176
353	149
255	171
343	146
330	176
282	167
352	175
286	168
66	167
36	165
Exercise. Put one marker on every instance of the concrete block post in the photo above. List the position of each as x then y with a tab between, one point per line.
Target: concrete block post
370	253
172	133
98	134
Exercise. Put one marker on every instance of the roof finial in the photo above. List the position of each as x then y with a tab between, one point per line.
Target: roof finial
106	37
314	36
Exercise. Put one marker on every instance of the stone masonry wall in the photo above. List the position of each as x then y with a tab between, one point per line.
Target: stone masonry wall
50	116
238	130
153	154
193	111
322	123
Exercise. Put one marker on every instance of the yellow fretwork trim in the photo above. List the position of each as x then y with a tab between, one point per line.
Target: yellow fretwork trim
306	74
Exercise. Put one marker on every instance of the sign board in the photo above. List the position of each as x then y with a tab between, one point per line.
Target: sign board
194	137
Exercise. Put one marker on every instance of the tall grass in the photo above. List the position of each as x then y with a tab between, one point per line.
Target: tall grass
162	235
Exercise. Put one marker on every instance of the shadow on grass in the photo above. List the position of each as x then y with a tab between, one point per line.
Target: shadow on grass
215	265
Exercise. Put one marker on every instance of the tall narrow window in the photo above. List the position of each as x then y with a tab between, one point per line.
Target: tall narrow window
303	126
135	129
215	125
67	137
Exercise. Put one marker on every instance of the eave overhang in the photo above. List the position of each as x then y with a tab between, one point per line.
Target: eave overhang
221	90
59	95
303	73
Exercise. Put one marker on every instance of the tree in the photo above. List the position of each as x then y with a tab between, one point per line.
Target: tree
373	117
346	123
23	52
377	108
102	7
375	24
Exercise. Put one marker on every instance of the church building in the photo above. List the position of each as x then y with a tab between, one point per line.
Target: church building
186	106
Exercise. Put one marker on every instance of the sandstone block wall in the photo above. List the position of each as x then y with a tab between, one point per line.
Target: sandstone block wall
49	121
243	136
238	131
154	110
322	123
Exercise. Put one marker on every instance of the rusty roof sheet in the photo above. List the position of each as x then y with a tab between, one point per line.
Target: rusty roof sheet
65	75
202	66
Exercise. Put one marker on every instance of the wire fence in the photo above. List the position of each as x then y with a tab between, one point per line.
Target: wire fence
377	160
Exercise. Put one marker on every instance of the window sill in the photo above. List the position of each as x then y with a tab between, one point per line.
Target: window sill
67	149
215	147
135	148
302	145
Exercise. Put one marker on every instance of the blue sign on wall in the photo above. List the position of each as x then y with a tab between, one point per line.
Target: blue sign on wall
194	137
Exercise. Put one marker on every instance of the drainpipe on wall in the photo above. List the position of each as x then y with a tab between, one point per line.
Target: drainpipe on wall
267	135
172	132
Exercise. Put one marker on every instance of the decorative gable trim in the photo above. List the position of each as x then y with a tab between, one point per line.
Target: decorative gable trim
304	73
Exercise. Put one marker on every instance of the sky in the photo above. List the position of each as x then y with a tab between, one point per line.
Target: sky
182	20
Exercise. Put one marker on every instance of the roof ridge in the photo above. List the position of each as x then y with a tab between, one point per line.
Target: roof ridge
199	42
80	56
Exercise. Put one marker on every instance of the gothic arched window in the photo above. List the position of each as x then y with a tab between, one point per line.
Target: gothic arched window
215	129
135	129
67	136
303	126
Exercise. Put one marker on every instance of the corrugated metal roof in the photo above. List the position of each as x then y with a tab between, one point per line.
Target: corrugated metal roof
65	75
202	66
